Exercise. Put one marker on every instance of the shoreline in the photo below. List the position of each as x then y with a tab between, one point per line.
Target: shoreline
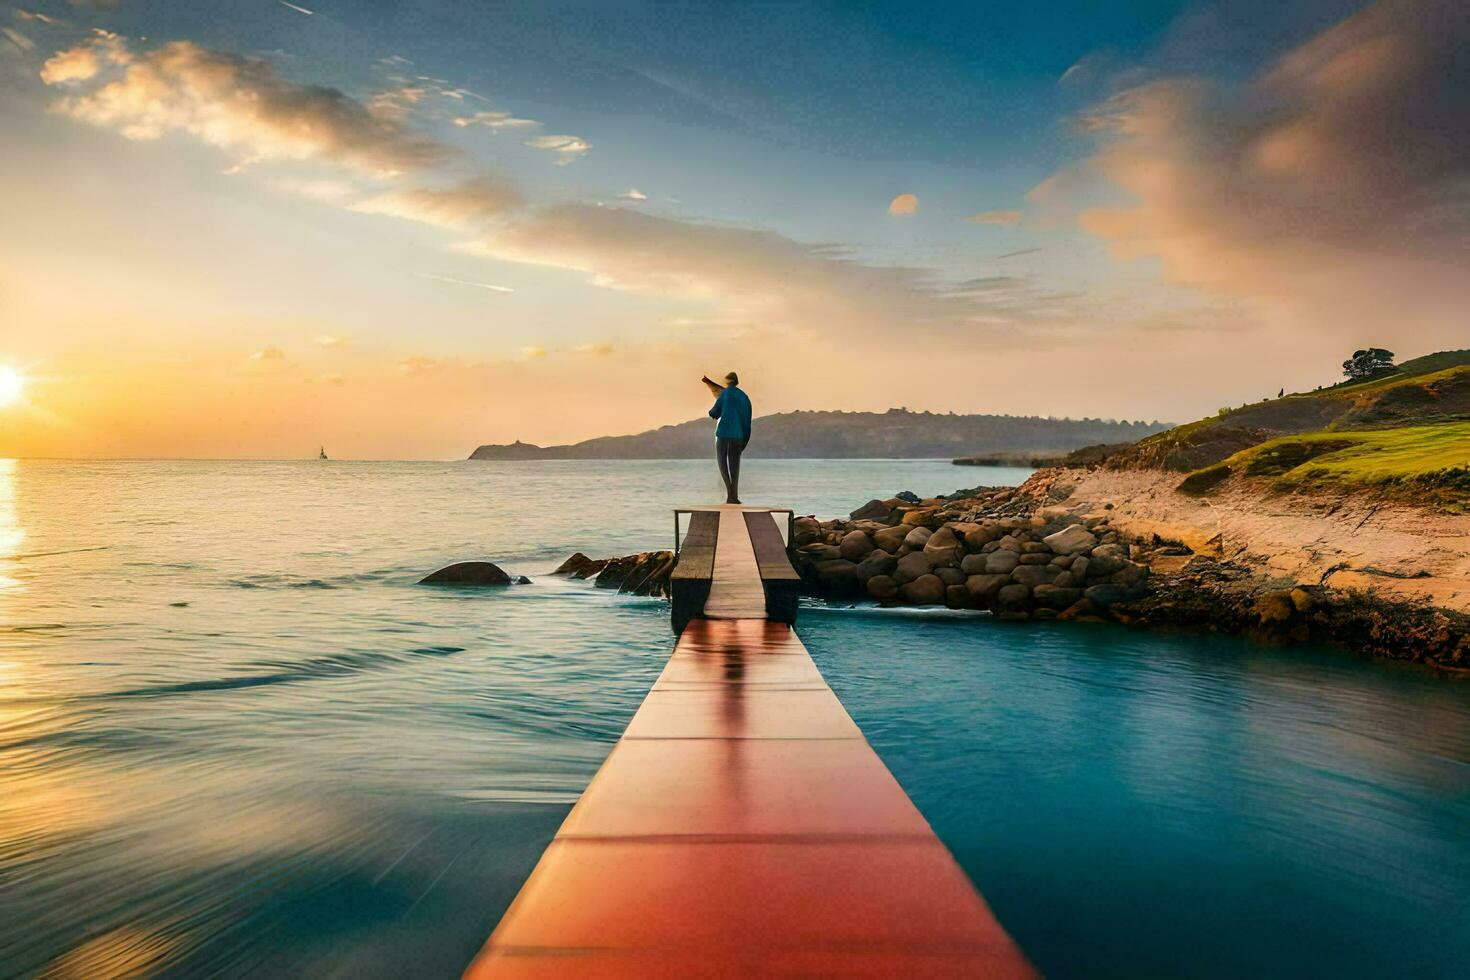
1094	546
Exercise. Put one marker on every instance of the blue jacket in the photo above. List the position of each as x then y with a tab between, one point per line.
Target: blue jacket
732	408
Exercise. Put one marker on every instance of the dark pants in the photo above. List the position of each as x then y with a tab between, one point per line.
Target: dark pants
728	451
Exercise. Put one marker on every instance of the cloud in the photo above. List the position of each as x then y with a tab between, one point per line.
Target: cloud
419	365
243	105
17	38
397	103
599	349
903	204
493	120
299	10
756	276
72	65
269	354
1336	184
567	148
533	351
35	15
633	194
329	340
465	282
996	218
465	205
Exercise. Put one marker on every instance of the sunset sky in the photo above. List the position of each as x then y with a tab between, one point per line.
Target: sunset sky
250	227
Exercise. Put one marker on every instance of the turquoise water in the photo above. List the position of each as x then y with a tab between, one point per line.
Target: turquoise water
237	739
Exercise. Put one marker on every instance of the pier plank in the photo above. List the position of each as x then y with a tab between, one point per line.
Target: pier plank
743	826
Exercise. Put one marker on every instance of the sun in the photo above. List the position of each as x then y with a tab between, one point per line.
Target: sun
12	386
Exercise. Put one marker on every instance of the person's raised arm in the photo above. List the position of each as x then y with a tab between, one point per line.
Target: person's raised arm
714	387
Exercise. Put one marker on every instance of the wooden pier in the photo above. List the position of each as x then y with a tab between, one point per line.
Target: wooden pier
743	826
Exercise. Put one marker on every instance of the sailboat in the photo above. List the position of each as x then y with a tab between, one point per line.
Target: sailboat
322	454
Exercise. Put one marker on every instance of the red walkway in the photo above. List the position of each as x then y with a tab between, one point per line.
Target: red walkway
743	826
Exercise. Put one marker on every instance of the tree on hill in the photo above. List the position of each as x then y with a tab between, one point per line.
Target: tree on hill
1366	363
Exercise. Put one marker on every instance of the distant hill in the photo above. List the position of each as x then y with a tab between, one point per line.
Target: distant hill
895	434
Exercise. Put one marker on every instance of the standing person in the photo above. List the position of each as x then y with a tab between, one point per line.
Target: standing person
732	408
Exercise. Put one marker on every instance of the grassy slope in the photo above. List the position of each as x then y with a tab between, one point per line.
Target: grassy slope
1407	433
1432	460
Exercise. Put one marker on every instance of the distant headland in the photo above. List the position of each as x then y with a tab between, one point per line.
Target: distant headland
894	434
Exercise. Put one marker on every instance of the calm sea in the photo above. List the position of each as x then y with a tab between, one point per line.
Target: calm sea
237	739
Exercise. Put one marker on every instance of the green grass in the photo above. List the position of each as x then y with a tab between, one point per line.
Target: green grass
1430	462
1439	361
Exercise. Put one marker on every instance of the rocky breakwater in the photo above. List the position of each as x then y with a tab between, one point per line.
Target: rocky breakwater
985	549
646	573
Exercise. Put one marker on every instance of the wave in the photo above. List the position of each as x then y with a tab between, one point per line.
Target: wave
317	668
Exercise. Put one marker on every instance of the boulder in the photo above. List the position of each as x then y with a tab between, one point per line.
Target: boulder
891	539
955	597
907	496
821	552
950	575
1064	580
919	516
1129	574
924	590
1011	543
1055	596
838	575
1011	598
973	564
1101	566
882	587
469	573
982	588
855	545
1108	593
878	562
912	566
805	530
580	566
1035	548
944	547
1083	610
1001	562
1034	575
981	536
875	510
918	538
1078	568
1071	540
647	573
1035	559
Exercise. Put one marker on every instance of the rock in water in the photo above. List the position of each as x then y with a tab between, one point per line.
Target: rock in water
580	566
468	573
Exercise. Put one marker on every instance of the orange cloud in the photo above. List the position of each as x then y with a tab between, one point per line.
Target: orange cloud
756	276
242	105
1334	186
462	206
903	204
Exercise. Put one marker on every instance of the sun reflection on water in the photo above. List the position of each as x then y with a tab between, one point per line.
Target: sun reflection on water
12	535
